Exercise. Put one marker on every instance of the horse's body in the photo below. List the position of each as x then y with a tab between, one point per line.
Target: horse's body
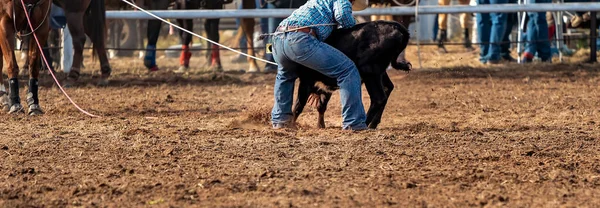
86	17
13	20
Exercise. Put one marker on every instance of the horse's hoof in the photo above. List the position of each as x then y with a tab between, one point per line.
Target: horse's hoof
253	70
35	109
216	68
153	69
68	83
4	103
103	82
182	70
16	108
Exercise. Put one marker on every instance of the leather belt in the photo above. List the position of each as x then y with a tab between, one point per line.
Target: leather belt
307	30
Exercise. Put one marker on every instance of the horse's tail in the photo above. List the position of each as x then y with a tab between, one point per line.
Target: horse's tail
97	23
403	44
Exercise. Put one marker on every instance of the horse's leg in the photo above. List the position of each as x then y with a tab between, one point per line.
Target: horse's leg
35	64
212	29
248	28
184	37
99	45
7	31
75	22
4	101
152	33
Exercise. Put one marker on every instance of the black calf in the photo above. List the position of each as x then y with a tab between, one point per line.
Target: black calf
372	46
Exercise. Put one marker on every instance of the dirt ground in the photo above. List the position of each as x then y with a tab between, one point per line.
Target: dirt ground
455	133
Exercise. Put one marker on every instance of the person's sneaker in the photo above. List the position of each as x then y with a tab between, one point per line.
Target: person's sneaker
182	70
360	128
283	126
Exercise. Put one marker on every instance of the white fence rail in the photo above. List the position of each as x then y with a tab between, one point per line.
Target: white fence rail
262	13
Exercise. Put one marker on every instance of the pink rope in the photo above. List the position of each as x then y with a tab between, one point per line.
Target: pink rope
48	65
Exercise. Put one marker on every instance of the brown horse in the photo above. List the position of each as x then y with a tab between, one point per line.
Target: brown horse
86	17
13	19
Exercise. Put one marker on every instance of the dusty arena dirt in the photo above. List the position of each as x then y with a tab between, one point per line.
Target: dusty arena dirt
455	133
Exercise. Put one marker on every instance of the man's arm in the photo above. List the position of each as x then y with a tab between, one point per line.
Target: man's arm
342	10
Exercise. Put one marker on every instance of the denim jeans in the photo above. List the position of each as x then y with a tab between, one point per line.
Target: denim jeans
511	21
273	23
490	29
537	33
293	50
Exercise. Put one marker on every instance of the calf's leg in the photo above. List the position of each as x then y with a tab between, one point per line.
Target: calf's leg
304	90
388	87
378	96
324	99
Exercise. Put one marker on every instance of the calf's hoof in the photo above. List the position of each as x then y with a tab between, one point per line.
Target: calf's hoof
16	108
34	110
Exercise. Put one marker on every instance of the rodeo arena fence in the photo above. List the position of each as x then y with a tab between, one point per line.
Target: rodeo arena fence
521	8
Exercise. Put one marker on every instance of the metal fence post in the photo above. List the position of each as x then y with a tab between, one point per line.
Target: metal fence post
594	36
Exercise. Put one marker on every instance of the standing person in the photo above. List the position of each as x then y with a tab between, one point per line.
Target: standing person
490	29
511	21
537	39
300	43
465	24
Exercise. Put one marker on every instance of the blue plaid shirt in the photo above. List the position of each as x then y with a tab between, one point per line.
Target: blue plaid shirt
322	12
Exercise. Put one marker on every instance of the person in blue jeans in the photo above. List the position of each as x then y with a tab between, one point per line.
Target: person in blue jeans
490	29
273	22
537	40
295	46
511	21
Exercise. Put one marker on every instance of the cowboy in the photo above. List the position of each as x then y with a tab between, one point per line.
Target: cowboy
299	41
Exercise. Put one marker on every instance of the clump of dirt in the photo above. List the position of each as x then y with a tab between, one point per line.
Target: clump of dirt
259	115
254	117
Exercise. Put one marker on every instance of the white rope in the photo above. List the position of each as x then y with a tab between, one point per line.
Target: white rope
194	34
